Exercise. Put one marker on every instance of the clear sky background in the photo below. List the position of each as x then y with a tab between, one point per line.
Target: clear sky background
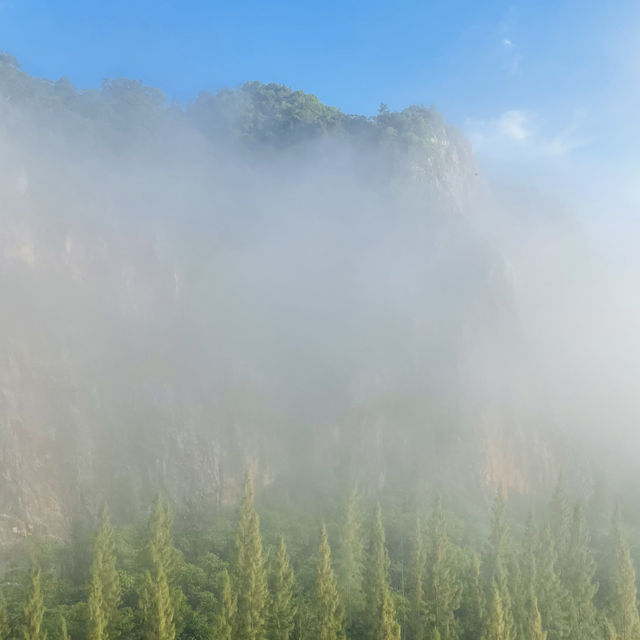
551	87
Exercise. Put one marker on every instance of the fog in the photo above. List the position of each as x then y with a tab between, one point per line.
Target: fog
188	290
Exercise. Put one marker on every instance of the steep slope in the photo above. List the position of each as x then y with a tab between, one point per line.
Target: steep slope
256	279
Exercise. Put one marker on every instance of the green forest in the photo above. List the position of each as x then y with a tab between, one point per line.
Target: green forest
221	575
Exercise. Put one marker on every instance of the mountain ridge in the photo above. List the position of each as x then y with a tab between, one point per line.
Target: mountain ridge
254	279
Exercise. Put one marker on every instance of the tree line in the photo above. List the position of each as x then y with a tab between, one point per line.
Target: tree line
539	586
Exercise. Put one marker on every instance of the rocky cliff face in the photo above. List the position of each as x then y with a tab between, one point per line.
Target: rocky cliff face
189	292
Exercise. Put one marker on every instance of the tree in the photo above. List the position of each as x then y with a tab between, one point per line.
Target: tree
225	617
622	602
64	634
550	592
533	629
350	563
250	575
560	522
417	623
97	624
442	589
526	582
160	550
608	630
104	588
5	630
282	607
472	605
388	628
580	568
497	564
156	604
34	610
380	611
495	626
328	615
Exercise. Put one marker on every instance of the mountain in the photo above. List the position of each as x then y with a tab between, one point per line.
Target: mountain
254	279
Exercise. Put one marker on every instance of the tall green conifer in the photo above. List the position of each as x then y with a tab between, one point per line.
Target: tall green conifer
417	615
156	606
560	523
608	630
533	628
622	601
380	611
442	589
282	609
472	607
388	628
498	562
495	625
526	581
580	568
64	633
104	587
5	630
328	614
223	629
34	610
552	597
157	600
250	575
350	565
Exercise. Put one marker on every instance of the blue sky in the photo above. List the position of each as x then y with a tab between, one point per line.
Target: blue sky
540	83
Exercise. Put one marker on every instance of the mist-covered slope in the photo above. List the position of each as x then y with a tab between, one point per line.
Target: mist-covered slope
253	279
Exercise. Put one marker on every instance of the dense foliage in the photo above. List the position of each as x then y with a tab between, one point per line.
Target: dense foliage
217	583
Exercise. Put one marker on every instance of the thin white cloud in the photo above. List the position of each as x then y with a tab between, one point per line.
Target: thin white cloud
521	133
570	137
512	55
515	124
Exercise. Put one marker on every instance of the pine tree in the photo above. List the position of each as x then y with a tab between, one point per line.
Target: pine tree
5	630
560	523
305	619
472	607
551	594
104	588
580	568
608	631
497	566
495	626
380	607
251	580
97	625
223	629
157	601
157	608
528	554
350	565
64	633
388	628
622	601
160	550
282	607
526	582
34	610
417	623
328	616
533	628
442	589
